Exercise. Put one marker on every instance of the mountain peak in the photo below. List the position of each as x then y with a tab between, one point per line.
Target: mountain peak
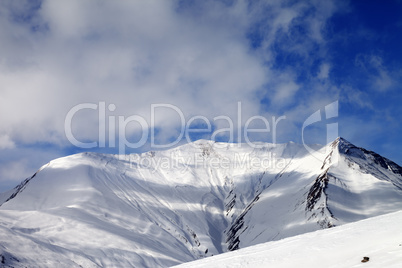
342	141
343	145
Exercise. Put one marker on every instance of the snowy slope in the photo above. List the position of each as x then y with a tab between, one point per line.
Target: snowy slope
379	238
164	208
359	185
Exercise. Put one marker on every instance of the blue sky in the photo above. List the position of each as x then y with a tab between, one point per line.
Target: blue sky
275	58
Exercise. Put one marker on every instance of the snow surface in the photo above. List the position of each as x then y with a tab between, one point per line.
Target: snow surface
379	238
164	208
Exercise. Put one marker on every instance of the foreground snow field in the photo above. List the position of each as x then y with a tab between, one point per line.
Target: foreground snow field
379	238
164	208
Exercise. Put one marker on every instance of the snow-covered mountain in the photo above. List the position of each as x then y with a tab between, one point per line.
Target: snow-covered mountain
168	207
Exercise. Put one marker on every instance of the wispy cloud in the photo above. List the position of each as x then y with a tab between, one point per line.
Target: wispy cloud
324	71
377	73
356	97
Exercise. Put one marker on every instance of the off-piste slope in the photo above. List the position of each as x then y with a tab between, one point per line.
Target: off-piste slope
378	238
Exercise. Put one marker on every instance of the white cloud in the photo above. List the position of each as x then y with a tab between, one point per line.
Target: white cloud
285	90
6	142
324	71
196	56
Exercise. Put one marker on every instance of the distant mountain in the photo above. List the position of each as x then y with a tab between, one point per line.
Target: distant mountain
164	208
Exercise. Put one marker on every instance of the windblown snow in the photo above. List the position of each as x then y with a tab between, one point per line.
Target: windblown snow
165	208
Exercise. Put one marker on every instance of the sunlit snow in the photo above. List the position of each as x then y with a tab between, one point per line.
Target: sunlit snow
168	207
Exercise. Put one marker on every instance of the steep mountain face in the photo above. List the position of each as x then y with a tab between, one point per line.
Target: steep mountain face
201	199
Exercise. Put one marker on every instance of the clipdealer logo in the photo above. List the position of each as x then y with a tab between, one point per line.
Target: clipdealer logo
148	130
330	111
112	128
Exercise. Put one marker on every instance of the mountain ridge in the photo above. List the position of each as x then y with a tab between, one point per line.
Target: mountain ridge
163	208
